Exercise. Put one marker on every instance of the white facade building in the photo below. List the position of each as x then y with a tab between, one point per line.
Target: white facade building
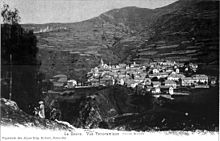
155	71
171	90
71	83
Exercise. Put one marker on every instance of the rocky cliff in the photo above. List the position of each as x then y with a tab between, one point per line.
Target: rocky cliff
12	115
122	109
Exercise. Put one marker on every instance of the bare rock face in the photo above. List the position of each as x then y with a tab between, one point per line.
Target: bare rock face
89	115
99	108
119	108
12	115
10	103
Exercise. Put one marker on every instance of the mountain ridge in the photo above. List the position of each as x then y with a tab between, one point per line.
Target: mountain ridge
119	34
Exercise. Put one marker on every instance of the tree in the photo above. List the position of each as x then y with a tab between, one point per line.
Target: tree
19	59
9	16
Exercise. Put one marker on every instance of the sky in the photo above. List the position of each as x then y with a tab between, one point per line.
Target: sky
66	11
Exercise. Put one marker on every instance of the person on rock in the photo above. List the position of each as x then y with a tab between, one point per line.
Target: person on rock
41	112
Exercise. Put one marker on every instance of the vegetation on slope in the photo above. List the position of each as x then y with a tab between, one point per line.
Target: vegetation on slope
120	35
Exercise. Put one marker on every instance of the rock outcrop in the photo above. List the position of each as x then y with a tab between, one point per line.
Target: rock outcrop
119	108
12	115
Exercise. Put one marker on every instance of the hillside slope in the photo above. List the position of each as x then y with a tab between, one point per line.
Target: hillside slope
190	33
89	40
186	30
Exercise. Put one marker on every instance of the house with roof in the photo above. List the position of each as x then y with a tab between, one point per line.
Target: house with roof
177	70
153	75
94	82
121	81
156	90
169	70
171	89
134	65
106	82
202	86
141	85
175	77
71	83
143	75
122	65
168	63
139	80
147	81
122	70
187	81
202	78
156	84
180	64
162	75
131	83
170	83
121	76
155	70
127	67
114	70
148	88
153	63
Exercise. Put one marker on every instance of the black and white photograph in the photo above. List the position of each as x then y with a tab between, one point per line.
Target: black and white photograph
109	69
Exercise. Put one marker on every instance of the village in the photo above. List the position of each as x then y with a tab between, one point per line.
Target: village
157	78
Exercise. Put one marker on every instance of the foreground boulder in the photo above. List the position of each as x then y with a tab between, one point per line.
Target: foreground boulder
11	114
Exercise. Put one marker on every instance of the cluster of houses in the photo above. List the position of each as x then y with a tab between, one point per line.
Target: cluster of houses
155	77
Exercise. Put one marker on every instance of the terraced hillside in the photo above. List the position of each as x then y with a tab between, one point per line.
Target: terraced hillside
186	30
85	43
190	33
